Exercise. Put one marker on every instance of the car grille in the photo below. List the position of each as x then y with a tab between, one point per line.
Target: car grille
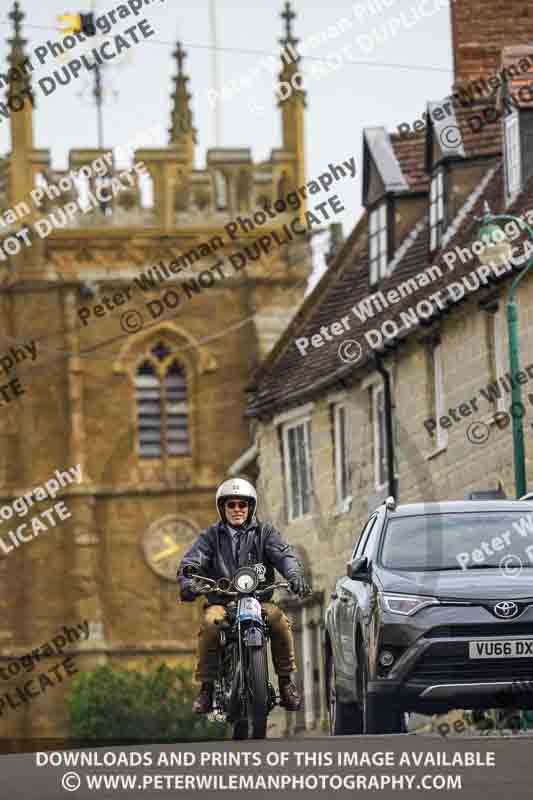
449	663
490	629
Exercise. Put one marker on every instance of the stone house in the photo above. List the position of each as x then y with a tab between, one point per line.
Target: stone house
406	331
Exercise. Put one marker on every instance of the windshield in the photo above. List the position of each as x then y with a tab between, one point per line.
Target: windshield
470	540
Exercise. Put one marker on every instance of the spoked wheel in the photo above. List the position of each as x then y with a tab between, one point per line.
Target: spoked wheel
344	718
255	724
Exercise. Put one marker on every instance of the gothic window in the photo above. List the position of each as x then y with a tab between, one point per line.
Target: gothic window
162	406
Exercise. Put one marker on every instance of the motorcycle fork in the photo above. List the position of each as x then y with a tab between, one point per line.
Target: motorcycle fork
244	666
225	654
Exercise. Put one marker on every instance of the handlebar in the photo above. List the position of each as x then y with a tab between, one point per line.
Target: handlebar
228	593
213	587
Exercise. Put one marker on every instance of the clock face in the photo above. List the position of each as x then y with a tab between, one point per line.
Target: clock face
165	543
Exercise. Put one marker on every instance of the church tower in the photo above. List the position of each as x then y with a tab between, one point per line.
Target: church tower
145	336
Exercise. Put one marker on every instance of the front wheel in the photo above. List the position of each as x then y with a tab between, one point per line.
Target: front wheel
376	717
344	718
254	725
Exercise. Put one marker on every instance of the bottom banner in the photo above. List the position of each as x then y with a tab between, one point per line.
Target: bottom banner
388	765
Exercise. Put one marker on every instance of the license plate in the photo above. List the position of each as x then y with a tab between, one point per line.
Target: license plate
505	648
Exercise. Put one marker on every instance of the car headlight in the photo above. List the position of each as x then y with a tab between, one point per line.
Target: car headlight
406	604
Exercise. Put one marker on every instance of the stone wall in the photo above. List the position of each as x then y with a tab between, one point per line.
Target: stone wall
325	538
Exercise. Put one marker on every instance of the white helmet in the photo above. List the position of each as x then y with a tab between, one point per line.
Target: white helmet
236	487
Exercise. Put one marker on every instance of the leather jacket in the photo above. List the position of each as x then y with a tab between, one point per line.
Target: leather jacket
212	556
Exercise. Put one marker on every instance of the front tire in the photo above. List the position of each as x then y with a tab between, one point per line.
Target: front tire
255	725
344	718
376	718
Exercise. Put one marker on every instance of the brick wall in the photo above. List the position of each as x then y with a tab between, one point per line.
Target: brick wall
480	28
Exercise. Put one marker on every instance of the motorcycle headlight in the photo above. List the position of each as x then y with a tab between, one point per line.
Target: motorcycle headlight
245	580
406	604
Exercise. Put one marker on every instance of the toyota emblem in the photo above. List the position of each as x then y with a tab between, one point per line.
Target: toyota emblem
506	609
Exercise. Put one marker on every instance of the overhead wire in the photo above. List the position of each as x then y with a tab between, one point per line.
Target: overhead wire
248	51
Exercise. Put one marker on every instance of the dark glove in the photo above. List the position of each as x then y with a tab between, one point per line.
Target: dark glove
299	586
187	593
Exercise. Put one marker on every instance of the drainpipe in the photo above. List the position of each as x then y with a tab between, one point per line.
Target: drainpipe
389	439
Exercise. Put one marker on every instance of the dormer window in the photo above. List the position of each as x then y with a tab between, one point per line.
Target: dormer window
378	243
512	154
436	210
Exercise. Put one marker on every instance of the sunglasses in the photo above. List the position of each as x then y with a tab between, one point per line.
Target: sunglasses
233	504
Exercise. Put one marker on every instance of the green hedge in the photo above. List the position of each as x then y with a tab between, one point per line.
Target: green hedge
118	704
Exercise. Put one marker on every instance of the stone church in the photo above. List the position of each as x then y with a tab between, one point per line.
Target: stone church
139	386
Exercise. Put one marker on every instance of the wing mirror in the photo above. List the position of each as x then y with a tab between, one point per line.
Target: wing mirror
359	569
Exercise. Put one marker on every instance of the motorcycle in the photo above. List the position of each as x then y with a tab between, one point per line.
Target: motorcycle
242	693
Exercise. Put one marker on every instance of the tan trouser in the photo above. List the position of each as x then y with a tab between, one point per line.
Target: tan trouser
282	642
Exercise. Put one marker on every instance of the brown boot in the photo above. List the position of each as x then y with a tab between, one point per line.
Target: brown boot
289	696
203	702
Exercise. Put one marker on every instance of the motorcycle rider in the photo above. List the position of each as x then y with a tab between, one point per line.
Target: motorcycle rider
240	539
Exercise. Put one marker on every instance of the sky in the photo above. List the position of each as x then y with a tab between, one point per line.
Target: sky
399	58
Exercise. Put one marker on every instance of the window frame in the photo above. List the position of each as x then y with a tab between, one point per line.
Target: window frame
161	369
342	456
437	200
364	536
305	423
378	270
513	167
